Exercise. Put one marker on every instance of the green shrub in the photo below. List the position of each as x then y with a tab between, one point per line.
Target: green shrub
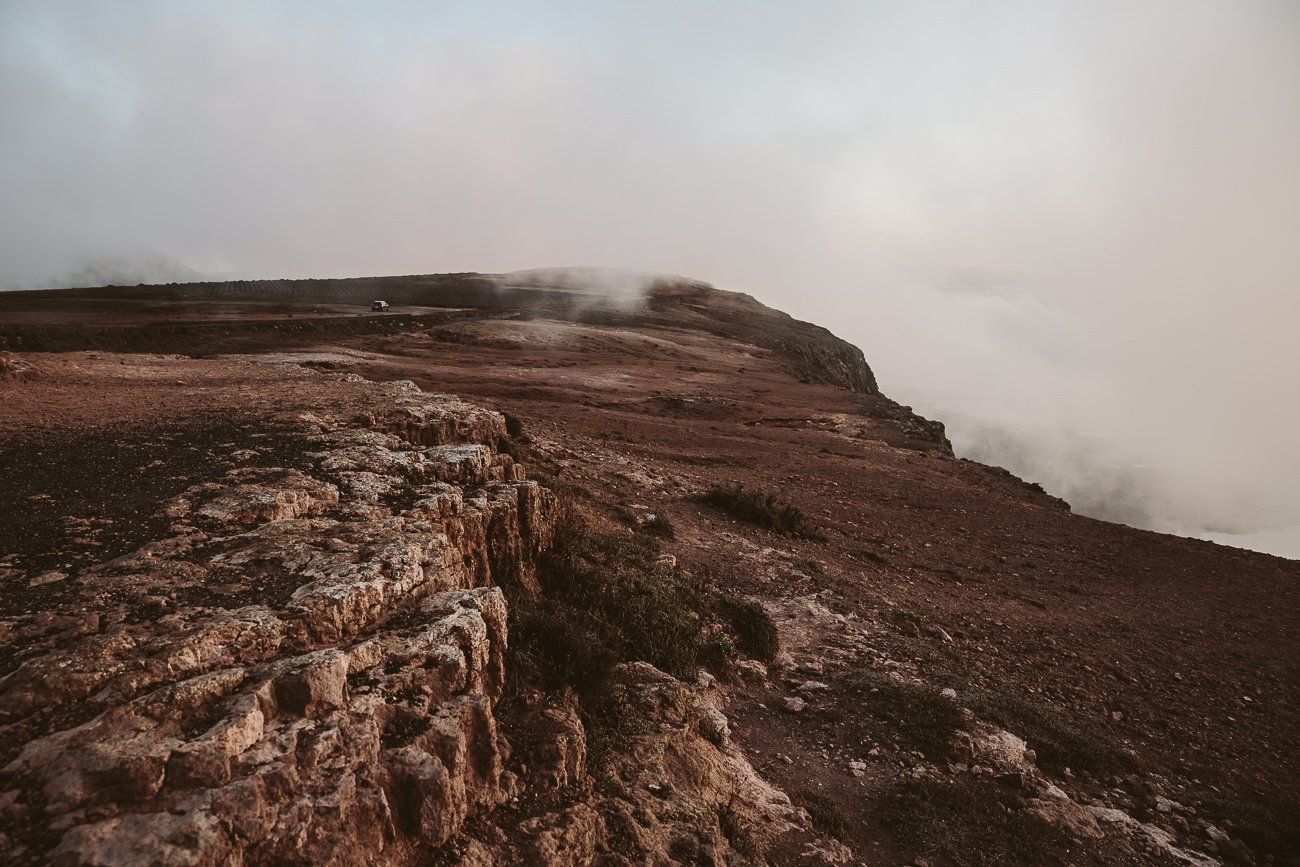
660	526
1058	744
917	717
907	615
1269	829
755	632
763	510
606	599
965	823
826	815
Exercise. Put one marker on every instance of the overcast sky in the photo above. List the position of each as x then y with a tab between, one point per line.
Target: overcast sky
1070	229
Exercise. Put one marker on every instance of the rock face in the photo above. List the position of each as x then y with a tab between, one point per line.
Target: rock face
304	667
304	671
672	784
14	368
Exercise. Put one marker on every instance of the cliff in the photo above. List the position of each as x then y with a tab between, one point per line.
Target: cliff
516	576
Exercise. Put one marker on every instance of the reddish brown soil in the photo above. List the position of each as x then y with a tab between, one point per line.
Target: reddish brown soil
1183	651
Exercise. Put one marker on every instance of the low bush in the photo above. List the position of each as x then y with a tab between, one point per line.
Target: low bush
826	815
659	525
1058	744
1269	829
611	586
755	633
763	510
916	717
907	615
606	598
508	445
965	823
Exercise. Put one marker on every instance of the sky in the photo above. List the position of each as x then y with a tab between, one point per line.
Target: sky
1070	230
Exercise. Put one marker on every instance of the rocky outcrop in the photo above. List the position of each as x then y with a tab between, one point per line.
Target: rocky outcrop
677	790
822	357
304	671
12	367
673	784
305	667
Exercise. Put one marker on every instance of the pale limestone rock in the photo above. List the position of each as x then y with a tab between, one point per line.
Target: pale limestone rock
233	735
294	495
1156	838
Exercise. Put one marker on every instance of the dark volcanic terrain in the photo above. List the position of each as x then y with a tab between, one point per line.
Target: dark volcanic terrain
213	481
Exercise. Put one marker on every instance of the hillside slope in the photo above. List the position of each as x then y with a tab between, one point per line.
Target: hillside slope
698	453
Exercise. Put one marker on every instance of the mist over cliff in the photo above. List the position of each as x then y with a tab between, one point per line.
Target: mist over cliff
1067	229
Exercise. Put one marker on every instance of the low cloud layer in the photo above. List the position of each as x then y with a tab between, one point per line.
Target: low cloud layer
1067	228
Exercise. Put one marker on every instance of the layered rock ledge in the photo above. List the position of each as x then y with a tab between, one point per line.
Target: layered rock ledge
302	664
319	682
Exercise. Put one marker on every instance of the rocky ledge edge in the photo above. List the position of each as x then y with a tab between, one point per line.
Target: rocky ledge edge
335	702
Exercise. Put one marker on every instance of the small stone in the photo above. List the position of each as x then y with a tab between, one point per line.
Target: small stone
949	693
812	686
794	704
661	789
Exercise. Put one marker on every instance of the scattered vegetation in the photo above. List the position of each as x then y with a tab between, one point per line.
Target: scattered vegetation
606	599
1059	744
1265	828
763	510
965	824
907	615
916	717
752	626
825	813
659	525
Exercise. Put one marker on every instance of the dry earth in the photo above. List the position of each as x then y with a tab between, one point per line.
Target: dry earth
969	674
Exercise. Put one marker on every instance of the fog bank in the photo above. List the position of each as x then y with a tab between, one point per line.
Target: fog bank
1066	228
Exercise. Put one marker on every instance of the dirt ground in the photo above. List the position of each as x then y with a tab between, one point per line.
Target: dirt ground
1180	656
